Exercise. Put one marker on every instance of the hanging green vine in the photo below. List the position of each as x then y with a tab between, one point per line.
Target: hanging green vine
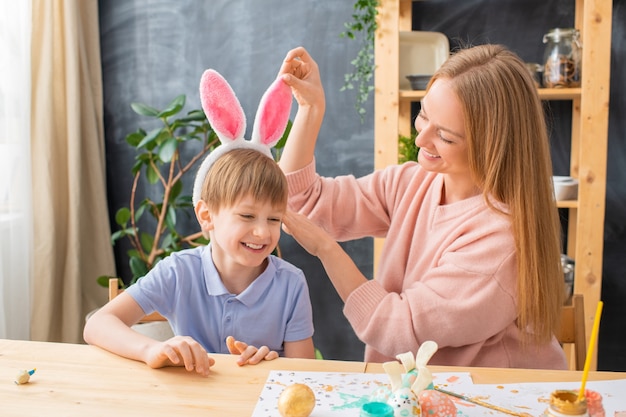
363	21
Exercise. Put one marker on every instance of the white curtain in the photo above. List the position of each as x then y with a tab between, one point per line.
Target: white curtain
15	170
72	244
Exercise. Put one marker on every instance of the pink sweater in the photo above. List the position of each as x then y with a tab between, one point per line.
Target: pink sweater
446	273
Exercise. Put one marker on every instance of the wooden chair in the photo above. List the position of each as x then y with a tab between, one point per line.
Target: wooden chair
115	290
572	332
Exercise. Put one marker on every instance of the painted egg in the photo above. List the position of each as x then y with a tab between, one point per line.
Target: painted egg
380	394
409	378
436	404
594	403
404	403
297	400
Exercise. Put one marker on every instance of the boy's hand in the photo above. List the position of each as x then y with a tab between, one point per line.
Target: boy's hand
249	354
180	351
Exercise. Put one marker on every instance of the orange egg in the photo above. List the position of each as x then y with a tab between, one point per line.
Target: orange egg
436	404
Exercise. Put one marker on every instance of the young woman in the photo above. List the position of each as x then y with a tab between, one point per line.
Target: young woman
472	251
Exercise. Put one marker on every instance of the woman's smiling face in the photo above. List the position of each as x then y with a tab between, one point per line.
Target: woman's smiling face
441	131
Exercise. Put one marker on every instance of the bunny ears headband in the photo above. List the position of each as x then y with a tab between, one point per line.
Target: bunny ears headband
228	120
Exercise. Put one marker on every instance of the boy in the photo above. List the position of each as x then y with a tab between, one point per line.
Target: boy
232	289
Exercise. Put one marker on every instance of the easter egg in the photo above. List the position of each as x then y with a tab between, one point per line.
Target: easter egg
297	400
594	403
380	394
404	403
436	404
409	378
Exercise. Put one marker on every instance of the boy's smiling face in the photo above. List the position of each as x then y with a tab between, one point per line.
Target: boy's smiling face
244	234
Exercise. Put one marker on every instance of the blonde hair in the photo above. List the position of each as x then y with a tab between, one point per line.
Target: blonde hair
243	172
509	158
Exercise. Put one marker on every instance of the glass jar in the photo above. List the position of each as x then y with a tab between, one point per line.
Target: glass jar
562	58
564	403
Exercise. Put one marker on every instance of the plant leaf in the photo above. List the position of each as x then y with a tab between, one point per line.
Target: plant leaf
153	176
116	235
174	107
122	216
146	242
168	149
169	242
140	210
150	139
194	116
137	267
144	109
103	280
170	218
176	189
283	140
133	139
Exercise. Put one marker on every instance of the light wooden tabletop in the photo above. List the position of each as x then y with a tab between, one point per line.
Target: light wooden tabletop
82	380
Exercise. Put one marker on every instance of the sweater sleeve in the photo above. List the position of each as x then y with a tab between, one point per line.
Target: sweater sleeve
345	207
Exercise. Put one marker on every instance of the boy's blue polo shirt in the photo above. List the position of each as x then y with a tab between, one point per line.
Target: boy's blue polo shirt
186	289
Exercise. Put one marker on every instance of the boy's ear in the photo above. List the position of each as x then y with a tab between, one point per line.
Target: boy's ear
203	214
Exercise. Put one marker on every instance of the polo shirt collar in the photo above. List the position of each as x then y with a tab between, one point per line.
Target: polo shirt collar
250	295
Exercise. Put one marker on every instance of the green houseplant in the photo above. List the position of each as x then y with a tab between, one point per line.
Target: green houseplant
158	158
407	150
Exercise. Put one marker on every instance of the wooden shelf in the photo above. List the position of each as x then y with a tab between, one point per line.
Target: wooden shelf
544	93
567	204
590	105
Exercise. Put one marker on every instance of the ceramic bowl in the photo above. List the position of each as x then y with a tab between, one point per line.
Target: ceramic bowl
565	188
418	82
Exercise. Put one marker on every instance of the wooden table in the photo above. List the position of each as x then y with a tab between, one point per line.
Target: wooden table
82	380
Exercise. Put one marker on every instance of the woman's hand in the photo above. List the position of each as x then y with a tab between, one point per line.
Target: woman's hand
341	270
180	351
249	354
309	235
300	71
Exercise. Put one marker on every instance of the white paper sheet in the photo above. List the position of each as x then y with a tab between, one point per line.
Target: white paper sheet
343	394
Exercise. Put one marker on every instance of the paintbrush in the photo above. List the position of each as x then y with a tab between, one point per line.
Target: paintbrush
482	403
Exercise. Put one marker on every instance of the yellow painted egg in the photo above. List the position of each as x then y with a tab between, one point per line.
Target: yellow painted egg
297	400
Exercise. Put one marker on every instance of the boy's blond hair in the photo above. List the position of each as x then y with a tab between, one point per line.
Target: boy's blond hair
243	172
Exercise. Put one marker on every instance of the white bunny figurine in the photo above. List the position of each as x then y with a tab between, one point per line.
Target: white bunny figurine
408	380
228	120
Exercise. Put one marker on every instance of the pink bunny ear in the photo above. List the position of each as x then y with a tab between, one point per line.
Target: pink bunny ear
273	114
221	107
227	119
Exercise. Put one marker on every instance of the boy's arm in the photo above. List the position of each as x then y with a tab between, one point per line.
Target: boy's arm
109	328
300	349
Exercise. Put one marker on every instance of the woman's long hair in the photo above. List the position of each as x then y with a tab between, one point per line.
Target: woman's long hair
510	161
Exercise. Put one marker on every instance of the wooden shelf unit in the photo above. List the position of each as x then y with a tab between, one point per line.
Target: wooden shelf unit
590	111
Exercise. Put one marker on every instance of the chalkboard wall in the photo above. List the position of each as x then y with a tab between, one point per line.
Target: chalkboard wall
154	50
